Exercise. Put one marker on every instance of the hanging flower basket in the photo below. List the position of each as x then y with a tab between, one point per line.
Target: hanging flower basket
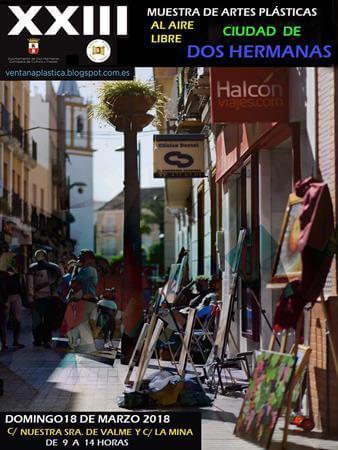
120	99
132	104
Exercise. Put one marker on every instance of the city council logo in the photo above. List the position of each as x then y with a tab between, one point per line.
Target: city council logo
98	50
33	46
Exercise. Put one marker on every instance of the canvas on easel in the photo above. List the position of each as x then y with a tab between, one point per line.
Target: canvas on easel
137	352
226	316
147	352
222	336
265	397
287	263
186	342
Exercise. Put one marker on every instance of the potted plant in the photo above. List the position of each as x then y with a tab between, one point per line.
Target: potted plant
128	100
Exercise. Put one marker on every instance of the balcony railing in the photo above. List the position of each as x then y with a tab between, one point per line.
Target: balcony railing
5	119
34	150
16	205
17	130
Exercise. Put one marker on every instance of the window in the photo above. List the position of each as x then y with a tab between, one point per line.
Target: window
34	195
19	113
19	184
79	125
6	176
14	105
42	199
13	180
250	264
109	247
109	224
25	185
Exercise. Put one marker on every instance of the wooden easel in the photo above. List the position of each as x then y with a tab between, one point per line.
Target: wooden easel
282	349
142	352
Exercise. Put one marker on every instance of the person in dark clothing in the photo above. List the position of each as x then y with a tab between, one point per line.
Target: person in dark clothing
42	281
3	310
11	304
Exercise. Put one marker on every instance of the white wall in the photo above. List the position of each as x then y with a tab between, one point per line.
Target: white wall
39	117
80	169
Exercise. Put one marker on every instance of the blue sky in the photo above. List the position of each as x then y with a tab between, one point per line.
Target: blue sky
108	164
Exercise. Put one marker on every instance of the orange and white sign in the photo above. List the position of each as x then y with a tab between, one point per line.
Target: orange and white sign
257	94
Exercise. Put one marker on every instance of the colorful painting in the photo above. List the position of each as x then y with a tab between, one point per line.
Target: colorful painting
265	397
288	263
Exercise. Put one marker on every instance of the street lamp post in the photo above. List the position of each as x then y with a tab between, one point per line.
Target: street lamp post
132	301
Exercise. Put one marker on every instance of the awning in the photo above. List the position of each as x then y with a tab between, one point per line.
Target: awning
178	191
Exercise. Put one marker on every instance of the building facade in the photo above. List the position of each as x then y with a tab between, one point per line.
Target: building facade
34	196
18	156
251	168
74	139
110	220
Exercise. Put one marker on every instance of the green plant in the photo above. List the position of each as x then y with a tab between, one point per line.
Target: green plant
115	259
110	91
156	254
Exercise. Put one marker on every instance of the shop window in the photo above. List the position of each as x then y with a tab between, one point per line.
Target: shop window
250	263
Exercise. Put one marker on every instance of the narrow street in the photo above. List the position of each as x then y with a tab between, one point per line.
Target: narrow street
38	379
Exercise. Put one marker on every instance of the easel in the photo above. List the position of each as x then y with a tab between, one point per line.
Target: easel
147	338
217	359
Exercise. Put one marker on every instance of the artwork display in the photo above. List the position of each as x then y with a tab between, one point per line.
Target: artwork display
265	397
288	263
175	280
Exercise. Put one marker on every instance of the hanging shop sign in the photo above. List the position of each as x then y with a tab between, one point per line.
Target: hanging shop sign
257	94
179	156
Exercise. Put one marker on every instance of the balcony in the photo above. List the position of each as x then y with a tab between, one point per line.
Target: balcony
17	131
5	120
194	94
16	205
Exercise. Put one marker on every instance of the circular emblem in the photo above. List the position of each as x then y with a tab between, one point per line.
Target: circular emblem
98	50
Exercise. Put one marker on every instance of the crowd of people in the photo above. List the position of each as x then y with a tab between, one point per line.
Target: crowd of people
81	299
72	298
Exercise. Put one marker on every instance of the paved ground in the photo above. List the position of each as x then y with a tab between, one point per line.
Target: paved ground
37	379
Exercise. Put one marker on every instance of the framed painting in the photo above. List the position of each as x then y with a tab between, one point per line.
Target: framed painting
287	263
265	397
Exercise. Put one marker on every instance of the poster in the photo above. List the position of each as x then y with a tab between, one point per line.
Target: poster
86	90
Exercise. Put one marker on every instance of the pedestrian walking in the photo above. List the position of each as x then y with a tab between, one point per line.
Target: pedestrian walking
82	307
42	281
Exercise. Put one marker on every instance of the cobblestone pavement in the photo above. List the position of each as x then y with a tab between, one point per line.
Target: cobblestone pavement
38	379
